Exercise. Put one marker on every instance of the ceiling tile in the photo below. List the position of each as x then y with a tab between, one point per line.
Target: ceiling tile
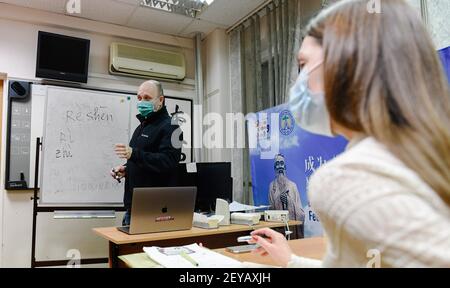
201	26
158	21
130	2
228	12
106	11
220	14
57	6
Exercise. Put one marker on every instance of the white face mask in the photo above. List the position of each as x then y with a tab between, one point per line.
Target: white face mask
308	108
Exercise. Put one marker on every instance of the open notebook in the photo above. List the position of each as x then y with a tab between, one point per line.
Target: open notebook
142	260
190	256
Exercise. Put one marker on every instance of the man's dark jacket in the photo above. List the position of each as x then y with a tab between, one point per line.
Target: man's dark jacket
154	159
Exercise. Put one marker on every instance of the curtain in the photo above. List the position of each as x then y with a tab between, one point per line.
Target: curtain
277	62
263	67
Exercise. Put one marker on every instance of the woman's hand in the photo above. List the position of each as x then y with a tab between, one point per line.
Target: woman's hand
272	243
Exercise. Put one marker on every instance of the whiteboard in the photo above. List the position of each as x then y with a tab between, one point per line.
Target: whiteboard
81	128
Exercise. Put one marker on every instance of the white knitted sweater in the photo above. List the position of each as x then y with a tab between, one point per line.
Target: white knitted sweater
375	210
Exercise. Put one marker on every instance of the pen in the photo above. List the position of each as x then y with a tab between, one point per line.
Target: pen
244	238
188	258
117	177
250	237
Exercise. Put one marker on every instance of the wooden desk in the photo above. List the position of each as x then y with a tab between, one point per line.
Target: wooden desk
310	248
123	244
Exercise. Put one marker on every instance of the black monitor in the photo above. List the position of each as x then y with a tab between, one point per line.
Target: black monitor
62	57
213	180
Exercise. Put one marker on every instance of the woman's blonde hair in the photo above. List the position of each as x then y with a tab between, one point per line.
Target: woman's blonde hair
383	77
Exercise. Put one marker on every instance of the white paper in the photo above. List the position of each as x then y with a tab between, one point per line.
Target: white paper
218	218
200	218
171	258
39	90
191	167
257	265
204	219
236	206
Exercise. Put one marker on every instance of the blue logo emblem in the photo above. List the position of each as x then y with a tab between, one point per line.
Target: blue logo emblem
287	123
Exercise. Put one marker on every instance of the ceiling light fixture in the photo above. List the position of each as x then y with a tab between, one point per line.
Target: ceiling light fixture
190	8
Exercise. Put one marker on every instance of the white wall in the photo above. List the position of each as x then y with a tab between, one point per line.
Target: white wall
2	173
18	56
438	20
217	87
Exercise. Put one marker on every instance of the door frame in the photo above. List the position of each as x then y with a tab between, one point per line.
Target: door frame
3	77
3	82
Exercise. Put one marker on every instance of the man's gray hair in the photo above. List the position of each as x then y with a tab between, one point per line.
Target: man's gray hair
155	83
159	86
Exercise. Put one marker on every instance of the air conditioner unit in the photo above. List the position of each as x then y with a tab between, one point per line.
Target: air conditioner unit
143	62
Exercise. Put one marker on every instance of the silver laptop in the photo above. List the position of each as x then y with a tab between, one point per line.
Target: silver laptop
161	210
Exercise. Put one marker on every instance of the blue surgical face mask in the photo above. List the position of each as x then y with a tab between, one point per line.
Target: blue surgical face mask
308	108
146	108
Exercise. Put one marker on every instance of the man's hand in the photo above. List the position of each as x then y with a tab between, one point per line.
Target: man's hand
275	245
119	171
123	151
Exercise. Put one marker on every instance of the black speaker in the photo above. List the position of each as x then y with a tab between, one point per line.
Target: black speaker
19	90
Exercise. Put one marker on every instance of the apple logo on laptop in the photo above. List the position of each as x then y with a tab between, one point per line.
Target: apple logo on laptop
164	210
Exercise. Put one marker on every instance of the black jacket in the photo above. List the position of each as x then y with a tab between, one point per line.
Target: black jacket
154	160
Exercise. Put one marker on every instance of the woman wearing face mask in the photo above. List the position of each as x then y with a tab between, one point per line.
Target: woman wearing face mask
375	79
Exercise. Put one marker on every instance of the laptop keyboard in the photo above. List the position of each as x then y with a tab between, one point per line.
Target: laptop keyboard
125	229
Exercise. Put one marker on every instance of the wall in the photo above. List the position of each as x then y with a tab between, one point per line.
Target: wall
217	86
438	19
1	170
221	79
18	51
439	22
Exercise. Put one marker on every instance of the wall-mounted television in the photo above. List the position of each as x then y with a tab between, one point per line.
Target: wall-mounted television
62	57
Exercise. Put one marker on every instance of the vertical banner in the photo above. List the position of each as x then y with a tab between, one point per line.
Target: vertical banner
283	157
445	57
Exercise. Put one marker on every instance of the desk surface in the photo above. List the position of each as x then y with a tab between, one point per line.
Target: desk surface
310	248
119	238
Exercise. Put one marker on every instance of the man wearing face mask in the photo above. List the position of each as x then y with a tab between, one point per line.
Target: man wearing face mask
284	195
151	156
